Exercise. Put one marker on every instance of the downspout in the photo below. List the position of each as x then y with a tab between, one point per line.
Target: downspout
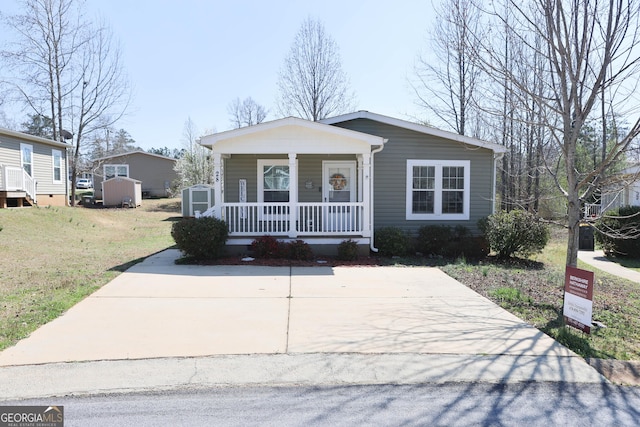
371	195
496	158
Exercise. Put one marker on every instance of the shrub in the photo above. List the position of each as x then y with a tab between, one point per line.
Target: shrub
433	238
299	250
516	232
392	241
348	250
200	238
614	228
442	240
267	247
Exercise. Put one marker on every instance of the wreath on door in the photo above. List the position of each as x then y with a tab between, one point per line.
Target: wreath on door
338	181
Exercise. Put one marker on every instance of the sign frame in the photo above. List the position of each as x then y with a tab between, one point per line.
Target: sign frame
577	307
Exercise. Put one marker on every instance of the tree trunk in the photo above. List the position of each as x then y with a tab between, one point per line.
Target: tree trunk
574	215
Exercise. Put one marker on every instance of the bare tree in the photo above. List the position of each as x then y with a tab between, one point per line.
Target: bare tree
246	113
70	66
102	91
195	165
447	73
49	37
312	83
584	48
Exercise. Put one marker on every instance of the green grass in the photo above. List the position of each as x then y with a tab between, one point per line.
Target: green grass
533	291
631	263
53	257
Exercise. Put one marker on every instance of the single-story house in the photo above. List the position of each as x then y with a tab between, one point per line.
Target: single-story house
157	173
621	189
33	170
344	177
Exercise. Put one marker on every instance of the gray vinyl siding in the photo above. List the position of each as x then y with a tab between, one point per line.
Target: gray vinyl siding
42	163
390	169
154	172
245	166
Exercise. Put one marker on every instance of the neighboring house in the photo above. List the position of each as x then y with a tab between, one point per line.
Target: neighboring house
621	189
156	172
344	177
33	170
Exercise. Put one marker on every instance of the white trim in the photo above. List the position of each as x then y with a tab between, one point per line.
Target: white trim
438	190
133	152
310	240
32	138
29	147
260	176
350	164
415	127
211	140
53	166
104	170
261	163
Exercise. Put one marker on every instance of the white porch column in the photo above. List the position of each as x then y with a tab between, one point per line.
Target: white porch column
366	194
360	175
293	195
217	185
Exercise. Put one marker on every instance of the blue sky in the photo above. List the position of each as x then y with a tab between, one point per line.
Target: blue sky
191	58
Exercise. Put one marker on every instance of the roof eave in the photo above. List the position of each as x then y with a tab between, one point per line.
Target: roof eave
496	148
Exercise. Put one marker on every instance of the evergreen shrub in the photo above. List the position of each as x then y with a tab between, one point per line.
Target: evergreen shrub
201	238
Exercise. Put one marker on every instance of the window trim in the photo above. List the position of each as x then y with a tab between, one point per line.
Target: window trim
104	170
29	147
269	162
55	153
438	190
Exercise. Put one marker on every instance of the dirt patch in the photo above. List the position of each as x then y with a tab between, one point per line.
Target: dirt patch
622	372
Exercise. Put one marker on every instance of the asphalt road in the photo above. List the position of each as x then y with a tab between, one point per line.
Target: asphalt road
533	404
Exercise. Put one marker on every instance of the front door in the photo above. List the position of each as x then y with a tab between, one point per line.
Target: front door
338	188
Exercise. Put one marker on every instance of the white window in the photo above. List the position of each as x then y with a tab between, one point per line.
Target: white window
273	181
273	187
111	171
26	158
56	156
438	189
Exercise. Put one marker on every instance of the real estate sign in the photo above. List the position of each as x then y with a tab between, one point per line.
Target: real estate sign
578	298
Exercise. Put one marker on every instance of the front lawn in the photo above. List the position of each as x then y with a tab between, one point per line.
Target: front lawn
533	290
53	257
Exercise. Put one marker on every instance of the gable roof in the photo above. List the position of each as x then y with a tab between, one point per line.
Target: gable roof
416	127
286	134
128	153
31	138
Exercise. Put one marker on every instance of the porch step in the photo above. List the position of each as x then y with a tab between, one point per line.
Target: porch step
15	199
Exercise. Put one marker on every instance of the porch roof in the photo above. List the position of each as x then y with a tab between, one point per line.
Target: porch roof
291	135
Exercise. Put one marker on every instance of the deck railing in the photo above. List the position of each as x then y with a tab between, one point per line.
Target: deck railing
309	219
592	210
17	179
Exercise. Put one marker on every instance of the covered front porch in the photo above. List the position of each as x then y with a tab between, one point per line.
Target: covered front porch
294	179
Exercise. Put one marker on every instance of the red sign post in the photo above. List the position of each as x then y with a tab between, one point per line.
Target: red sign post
578	298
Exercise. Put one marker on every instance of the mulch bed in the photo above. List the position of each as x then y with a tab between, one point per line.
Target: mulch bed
280	262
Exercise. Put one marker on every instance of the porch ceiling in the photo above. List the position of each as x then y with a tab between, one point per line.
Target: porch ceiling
291	135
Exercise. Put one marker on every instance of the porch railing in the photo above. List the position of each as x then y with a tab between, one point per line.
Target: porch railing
16	179
592	210
309	219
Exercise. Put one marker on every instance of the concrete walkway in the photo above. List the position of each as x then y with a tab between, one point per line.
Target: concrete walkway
161	325
601	262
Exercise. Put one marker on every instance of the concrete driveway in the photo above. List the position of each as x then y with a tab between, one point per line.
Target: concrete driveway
161	310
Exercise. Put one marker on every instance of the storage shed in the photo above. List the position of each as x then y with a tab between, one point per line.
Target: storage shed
197	198
121	191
